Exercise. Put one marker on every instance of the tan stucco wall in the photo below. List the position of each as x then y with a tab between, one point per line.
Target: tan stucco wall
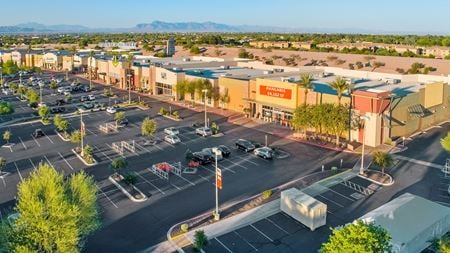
237	90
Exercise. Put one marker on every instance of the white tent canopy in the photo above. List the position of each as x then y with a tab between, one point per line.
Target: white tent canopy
411	221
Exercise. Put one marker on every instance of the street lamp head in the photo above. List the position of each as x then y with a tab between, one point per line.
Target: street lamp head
205	90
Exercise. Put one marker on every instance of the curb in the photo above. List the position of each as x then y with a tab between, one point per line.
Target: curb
171	118
376	182
60	136
127	193
83	161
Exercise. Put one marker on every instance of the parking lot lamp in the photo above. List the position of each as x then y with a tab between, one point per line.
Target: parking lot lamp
206	121
20	78
361	169
216	213
41	85
82	130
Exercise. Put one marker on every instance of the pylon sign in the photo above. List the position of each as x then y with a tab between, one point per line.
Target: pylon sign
219	178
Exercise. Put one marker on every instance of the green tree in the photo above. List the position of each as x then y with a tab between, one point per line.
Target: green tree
340	85
195	49
382	160
215	128
32	96
119	116
338	121
75	137
306	83
54	214
118	164
190	88
53	85
43	112
377	64
181	89
7	136
358	237
301	118
148	127
200	240
225	98
445	142
6	108
57	121
2	166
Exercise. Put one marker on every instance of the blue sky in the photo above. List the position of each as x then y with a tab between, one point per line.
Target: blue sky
385	15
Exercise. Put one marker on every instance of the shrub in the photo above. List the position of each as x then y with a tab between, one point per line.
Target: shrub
184	227
176	114
6	108
266	194
215	128
162	111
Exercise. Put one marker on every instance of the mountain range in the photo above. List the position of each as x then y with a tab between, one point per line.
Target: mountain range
161	26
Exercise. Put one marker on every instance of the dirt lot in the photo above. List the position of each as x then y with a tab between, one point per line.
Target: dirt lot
302	58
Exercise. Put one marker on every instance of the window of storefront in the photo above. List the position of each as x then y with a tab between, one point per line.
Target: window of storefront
164	89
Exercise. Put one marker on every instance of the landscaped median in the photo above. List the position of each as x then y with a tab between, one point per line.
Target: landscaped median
87	160
173	115
130	190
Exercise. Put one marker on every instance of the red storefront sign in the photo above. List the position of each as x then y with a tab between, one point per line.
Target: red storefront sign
275	92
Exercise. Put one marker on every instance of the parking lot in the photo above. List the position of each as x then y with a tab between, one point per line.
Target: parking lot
243	173
282	233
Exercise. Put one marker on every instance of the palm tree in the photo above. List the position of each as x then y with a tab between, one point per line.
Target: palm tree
2	165
72	51
306	83
340	85
445	142
91	56
383	160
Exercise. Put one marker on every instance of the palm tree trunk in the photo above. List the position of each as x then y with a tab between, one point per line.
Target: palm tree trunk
306	95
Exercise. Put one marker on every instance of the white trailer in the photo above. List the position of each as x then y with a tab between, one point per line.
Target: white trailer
304	208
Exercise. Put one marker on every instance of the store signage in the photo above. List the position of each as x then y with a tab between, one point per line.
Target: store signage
275	92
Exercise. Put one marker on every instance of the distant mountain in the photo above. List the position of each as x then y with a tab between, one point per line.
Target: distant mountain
161	26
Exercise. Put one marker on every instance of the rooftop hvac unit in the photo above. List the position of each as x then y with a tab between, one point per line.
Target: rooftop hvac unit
278	70
225	74
287	79
186	59
177	69
327	74
391	80
267	72
225	67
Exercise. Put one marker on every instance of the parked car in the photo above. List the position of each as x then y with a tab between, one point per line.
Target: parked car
7	91
172	139
60	102
123	122
83	98
264	152
64	89
201	157
91	97
203	131
58	109
38	133
226	152
245	145
212	152
111	109
171	131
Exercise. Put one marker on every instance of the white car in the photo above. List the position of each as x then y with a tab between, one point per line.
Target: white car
111	109
7	91
203	131
171	131
91	97
264	152
172	139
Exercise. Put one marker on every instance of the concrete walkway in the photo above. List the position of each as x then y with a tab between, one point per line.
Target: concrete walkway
419	162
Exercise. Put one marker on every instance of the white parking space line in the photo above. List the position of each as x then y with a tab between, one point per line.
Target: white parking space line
104	194
223	245
23	144
87	129
49	138
35	140
240	236
143	178
191	183
331	200
206	168
236	164
62	157
32	163
352	200
103	153
49	162
143	148
178	188
276	225
204	178
18	171
270	239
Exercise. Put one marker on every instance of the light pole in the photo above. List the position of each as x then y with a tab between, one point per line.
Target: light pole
129	88
40	92
82	133
216	213
361	169
403	139
206	122
20	79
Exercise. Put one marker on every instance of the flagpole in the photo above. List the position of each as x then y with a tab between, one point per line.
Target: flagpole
81	133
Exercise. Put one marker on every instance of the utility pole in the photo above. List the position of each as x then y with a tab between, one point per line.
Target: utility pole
129	89
218	185
82	130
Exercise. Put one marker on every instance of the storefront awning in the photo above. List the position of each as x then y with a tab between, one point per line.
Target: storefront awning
418	111
280	107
